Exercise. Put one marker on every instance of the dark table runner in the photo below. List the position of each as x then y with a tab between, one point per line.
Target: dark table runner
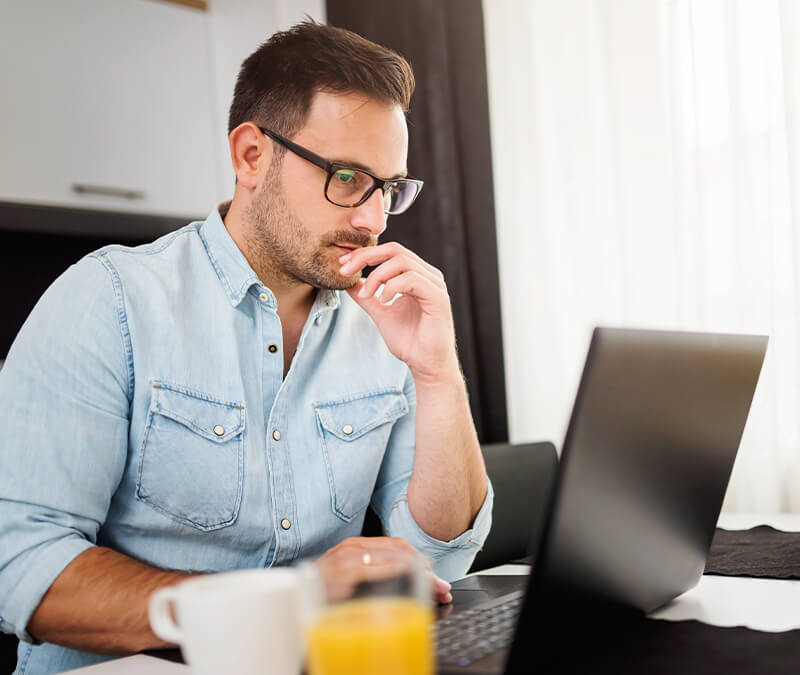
762	552
658	647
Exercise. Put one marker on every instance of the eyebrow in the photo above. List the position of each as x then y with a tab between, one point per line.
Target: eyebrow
359	165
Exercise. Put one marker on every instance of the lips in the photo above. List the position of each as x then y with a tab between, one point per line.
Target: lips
347	248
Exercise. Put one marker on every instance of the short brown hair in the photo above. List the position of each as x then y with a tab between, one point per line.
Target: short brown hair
277	82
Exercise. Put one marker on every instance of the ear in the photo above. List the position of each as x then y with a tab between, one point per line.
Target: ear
251	154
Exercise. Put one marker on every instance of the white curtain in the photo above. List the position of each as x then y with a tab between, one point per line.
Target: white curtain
646	174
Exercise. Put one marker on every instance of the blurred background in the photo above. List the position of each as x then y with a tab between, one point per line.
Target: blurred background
616	162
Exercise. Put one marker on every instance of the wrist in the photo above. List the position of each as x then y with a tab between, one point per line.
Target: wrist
443	377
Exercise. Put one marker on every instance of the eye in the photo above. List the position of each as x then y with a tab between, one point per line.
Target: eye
345	176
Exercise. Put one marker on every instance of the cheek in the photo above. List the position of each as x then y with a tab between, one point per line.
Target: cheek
306	200
318	216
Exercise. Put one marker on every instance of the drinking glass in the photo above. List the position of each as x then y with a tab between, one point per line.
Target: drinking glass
377	617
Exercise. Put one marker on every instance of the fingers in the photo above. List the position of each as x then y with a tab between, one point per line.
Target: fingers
359	559
379	255
408	283
441	590
369	551
423	281
377	544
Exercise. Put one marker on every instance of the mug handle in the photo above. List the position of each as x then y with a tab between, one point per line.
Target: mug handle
160	616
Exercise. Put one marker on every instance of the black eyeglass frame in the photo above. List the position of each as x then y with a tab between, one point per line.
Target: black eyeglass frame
332	167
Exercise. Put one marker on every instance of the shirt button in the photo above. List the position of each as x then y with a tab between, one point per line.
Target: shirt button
347	429
327	302
219	431
276	435
273	349
317	319
286	524
263	297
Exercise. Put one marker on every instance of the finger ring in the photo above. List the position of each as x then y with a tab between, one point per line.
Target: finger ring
366	558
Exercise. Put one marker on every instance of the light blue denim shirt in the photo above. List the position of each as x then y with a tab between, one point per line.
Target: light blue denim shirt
144	408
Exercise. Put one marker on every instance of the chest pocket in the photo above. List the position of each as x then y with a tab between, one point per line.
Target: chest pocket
191	464
354	433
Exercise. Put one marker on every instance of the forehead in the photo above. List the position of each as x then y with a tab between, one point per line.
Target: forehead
355	128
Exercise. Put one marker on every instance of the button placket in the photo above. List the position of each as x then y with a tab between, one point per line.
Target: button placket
283	511
283	484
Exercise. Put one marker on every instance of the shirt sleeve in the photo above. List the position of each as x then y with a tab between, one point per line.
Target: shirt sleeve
64	393
450	559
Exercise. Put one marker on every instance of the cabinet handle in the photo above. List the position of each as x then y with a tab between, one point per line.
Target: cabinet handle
105	191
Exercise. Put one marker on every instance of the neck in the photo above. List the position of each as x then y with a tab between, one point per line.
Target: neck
292	296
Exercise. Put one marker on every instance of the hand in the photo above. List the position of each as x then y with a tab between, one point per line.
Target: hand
360	559
417	326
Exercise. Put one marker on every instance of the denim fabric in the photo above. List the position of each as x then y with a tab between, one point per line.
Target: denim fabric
145	409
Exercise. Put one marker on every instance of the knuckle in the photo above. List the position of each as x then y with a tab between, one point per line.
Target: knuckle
403	543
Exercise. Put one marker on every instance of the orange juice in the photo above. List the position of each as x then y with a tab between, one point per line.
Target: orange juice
373	636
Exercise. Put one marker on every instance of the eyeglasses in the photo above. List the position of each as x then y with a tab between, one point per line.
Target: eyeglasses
349	187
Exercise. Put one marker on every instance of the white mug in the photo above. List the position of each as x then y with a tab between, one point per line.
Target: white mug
246	622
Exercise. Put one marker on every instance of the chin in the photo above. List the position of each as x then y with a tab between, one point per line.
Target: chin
336	282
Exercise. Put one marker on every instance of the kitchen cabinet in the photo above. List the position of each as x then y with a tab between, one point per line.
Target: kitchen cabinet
108	105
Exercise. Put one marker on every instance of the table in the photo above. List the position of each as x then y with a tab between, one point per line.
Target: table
760	604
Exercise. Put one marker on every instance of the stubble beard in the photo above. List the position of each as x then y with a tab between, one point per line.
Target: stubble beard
281	248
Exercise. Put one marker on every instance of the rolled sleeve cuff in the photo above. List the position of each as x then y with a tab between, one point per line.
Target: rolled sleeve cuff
39	573
450	559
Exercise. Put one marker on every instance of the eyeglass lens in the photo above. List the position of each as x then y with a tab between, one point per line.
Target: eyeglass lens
347	186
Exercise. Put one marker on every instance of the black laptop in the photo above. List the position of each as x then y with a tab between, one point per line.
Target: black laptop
648	453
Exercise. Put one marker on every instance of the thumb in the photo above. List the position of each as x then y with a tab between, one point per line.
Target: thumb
441	590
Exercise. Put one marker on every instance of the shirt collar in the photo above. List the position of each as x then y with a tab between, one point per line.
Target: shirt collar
229	263
234	271
325	301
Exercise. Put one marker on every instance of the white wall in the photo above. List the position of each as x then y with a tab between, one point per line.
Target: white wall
236	28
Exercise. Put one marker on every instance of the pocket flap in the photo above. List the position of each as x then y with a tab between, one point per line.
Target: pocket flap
213	419
351	418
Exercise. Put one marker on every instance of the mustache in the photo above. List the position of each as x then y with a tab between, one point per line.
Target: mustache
353	239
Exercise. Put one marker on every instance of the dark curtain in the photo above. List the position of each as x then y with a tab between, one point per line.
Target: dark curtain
452	224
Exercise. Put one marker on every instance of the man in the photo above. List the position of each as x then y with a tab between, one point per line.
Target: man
235	395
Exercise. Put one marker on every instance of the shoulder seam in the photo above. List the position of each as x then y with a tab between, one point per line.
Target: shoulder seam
152	248
122	316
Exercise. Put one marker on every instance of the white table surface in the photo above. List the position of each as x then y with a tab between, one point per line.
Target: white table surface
760	604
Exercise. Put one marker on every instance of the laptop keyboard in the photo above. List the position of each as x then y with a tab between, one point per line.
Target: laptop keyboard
474	633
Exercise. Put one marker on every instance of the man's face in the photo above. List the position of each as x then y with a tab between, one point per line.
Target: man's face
292	230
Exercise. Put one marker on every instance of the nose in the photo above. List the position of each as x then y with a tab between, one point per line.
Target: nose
369	216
